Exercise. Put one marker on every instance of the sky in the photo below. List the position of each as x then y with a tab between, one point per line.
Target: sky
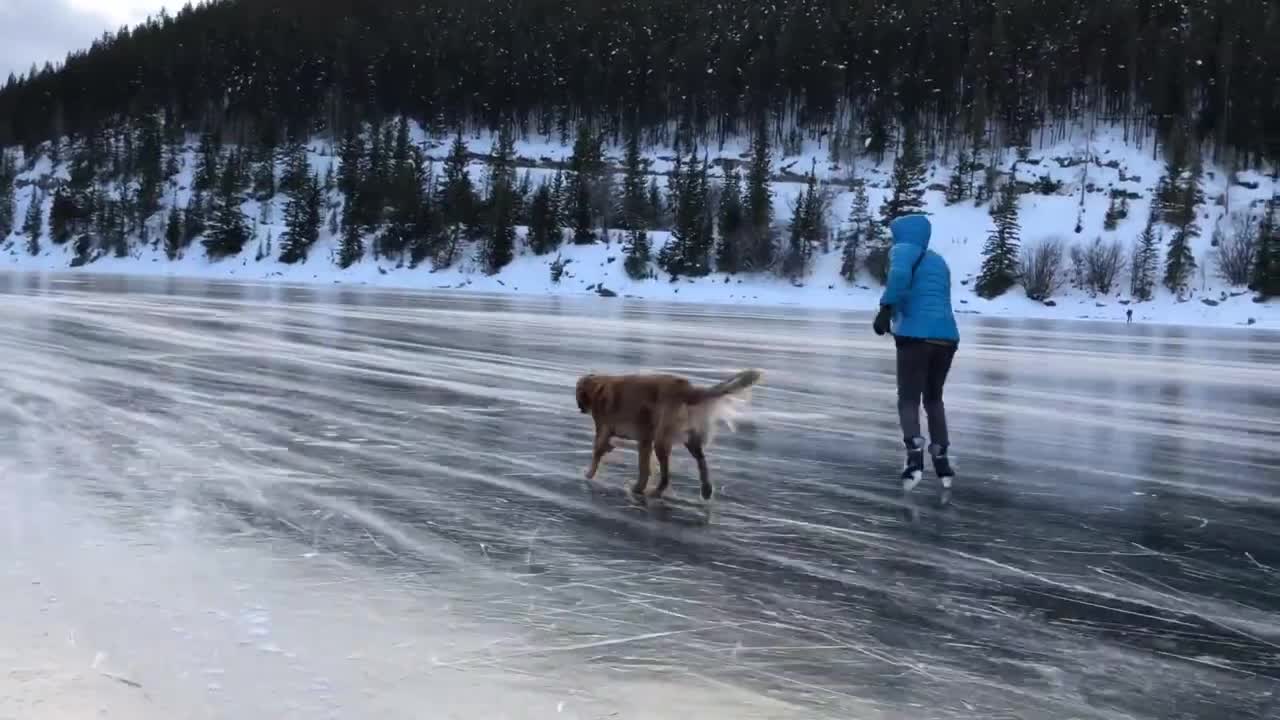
36	31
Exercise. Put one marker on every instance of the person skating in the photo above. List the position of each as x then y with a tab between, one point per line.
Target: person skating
916	307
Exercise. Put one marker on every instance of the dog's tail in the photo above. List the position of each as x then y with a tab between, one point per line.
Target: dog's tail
739	383
721	403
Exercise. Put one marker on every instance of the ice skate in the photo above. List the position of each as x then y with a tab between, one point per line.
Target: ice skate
942	465
913	470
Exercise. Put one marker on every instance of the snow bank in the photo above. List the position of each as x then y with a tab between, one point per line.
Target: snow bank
1097	161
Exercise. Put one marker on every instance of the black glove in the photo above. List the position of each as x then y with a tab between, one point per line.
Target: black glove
881	324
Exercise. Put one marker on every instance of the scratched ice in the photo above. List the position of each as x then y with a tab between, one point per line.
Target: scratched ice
258	502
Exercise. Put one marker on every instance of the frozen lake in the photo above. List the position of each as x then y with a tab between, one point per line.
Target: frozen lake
254	501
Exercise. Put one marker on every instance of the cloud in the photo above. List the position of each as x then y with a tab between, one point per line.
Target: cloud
40	31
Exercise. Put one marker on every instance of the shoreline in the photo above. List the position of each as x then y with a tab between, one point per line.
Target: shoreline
850	300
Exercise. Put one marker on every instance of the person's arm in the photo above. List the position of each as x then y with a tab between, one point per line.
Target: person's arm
901	258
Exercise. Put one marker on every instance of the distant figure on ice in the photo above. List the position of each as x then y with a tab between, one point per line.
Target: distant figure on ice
916	305
1128	316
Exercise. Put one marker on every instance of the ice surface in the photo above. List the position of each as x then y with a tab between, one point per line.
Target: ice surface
252	501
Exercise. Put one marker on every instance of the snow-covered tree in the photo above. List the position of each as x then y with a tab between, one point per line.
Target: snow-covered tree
759	202
732	221
854	234
1179	262
227	232
1266	275
959	187
586	167
501	230
544	221
173	240
1145	263
302	220
806	231
33	224
909	177
1000	255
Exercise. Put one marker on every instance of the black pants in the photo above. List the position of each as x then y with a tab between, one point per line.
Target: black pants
922	372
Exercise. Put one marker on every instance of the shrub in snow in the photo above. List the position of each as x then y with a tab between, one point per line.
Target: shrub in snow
1041	268
1104	261
1236	252
557	269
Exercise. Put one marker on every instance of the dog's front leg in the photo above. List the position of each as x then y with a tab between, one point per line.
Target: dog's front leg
599	449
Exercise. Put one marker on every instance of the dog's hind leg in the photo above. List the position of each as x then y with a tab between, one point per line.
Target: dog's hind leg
694	446
645	449
663	450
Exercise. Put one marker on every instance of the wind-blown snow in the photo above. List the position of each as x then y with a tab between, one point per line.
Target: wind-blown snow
1100	159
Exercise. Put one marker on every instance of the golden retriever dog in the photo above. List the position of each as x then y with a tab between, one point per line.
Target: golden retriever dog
657	411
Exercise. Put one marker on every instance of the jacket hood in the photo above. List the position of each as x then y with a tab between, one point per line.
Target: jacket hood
911	230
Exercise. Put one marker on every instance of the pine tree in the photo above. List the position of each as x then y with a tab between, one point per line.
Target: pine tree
876	258
959	188
351	249
371	195
1180	263
173	240
193	218
1112	218
656	208
544	226
635	203
150	167
1000	256
849	261
759	202
457	197
208	169
586	166
302	221
6	210
264	176
1146	262
855	233
173	150
639	254
729	252
1169	193
227	233
33	224
351	159
7	174
408	205
111	233
1266	275
689	250
908	181
559	199
805	231
501	231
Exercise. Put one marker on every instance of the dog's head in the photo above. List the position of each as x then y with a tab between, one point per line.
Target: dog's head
585	391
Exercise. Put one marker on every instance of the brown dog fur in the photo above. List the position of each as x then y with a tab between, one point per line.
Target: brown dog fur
657	411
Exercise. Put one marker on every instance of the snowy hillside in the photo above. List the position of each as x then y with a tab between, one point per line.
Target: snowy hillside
1088	165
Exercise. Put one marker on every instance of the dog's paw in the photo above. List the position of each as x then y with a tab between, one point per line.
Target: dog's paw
707	492
589	474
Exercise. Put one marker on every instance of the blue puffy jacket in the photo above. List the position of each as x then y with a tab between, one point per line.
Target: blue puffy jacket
921	306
